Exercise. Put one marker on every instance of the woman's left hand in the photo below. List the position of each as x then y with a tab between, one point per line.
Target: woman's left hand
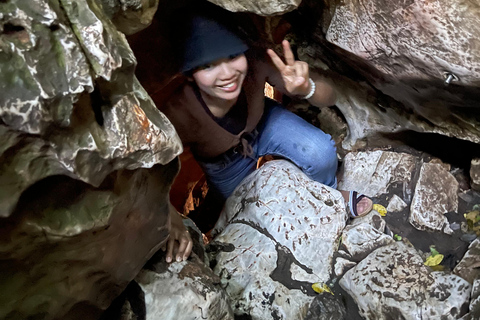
295	74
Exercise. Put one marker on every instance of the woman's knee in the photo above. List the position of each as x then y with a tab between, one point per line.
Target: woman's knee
321	162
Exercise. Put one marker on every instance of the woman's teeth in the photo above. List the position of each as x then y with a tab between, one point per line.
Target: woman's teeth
229	85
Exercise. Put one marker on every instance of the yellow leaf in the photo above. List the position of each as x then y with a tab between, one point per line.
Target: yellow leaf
434	260
321	288
380	209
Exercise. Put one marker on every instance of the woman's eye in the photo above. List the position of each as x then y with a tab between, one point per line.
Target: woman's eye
233	56
206	67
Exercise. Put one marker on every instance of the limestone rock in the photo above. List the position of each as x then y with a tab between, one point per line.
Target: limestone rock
183	290
371	173
375	31
326	307
393	283
474	308
363	238
279	230
435	194
263	8
342	265
130	16
475	174
87	161
396	204
468	267
70	248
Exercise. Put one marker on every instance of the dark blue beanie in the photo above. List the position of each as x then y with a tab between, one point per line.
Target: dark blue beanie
207	41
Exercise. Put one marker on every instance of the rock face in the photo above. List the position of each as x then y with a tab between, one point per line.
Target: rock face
263	8
393	283
280	238
130	16
186	290
86	162
435	195
372	173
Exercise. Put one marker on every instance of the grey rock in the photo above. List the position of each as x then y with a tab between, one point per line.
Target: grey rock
469	267
183	290
326	307
363	238
393	283
282	229
435	195
130	16
475	174
263	8
396	204
342	265
372	172
87	161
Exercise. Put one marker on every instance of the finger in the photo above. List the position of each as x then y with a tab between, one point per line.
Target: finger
276	60
188	250
287	51
181	249
170	245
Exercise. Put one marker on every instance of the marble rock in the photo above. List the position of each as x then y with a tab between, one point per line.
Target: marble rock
469	267
393	283
372	172
435	195
281	229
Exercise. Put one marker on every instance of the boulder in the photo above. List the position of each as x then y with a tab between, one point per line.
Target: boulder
87	162
263	8
393	283
468	267
278	233
373	172
435	195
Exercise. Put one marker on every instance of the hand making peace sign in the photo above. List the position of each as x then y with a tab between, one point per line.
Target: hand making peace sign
295	74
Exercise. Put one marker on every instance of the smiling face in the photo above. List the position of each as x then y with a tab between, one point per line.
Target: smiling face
220	82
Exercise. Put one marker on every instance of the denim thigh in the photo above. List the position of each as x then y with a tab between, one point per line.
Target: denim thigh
283	134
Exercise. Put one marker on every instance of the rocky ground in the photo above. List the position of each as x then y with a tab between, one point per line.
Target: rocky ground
281	235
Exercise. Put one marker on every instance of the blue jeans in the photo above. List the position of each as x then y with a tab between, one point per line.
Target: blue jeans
280	133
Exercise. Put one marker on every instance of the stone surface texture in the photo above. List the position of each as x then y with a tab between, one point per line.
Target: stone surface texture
279	232
475	174
263	8
405	49
469	267
393	283
435	195
86	161
396	204
130	16
372	172
184	290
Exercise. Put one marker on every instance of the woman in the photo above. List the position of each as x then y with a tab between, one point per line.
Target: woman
223	116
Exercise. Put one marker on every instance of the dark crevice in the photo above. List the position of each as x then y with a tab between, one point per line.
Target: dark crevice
97	103
54	27
9	28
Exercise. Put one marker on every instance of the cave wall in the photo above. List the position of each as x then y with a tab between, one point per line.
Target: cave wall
87	160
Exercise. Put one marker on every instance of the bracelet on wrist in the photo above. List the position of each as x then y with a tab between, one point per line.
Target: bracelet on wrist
312	89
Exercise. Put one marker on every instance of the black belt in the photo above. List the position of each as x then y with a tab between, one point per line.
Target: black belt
233	152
